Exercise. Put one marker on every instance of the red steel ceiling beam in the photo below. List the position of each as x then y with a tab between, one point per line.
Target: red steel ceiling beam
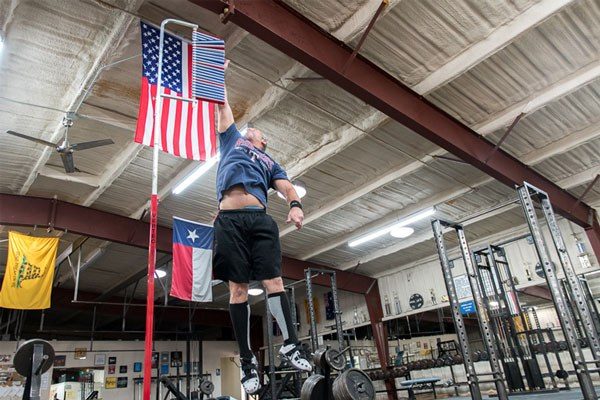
42	212
291	33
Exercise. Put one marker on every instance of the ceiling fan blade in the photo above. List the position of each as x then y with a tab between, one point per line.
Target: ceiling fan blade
68	163
40	141
92	144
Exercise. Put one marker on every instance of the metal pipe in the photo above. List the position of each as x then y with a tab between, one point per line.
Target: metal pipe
77	275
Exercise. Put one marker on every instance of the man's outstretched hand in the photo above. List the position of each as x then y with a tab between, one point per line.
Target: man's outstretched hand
296	215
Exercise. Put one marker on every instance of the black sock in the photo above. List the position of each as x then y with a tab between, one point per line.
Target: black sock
240	318
279	306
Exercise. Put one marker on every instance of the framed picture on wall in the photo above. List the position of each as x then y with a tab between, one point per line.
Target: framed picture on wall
123	369
137	366
111	369
176	359
99	360
59	361
155	357
112	360
164	369
122	382
110	383
164	357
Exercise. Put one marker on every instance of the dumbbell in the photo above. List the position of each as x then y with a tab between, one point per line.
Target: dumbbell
402	371
476	356
458	359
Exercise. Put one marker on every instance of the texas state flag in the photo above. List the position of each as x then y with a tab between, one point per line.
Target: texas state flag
192	261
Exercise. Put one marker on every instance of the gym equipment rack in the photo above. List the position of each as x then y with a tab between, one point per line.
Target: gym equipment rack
565	315
483	318
498	288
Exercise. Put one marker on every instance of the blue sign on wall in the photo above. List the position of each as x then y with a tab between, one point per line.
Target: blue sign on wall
467	307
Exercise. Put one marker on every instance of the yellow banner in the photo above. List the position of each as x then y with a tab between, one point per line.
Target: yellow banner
29	272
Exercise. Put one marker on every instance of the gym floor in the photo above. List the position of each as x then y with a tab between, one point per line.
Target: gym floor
572	394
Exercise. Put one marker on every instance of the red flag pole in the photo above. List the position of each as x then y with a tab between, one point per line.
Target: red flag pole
149	339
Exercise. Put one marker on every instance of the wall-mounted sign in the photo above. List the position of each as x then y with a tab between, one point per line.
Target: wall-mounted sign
463	289
467	307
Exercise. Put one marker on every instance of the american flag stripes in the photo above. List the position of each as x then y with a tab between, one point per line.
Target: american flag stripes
187	128
208	71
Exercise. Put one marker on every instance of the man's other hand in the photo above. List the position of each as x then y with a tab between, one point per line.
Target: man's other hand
296	215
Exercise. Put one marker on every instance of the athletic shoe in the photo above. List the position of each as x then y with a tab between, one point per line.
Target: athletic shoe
250	380
294	355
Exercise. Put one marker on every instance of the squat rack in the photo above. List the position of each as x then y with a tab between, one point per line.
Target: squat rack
484	322
567	321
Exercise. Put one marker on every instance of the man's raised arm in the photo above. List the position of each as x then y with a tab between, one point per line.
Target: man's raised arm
225	114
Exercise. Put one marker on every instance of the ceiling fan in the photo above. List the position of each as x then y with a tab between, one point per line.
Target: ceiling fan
66	149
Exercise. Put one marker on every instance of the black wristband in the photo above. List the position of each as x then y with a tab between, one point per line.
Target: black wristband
295	203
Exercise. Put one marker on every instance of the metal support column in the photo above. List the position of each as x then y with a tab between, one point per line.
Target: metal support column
314	342
482	316
270	352
459	324
571	278
291	293
564	316
338	312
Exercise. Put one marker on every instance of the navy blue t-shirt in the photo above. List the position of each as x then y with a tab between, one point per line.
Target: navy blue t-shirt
243	164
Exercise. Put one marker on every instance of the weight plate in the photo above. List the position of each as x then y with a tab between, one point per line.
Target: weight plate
24	356
335	359
484	356
207	387
562	345
562	374
319	358
353	384
314	388
416	301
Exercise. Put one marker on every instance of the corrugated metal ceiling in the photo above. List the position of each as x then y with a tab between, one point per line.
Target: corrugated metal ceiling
304	119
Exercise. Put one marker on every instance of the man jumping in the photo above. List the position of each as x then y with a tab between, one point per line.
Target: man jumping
247	244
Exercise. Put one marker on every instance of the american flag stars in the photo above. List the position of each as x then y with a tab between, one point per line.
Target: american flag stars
171	73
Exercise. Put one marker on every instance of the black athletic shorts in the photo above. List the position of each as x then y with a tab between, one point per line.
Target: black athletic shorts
246	246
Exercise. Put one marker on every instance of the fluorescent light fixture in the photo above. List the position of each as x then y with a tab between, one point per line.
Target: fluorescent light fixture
408	221
402	232
255	291
160	273
195	175
494	304
300	190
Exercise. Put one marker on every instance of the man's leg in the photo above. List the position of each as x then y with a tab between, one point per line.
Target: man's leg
279	306
239	309
240	316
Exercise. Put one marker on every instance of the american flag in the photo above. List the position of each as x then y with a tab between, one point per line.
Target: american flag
187	128
208	73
